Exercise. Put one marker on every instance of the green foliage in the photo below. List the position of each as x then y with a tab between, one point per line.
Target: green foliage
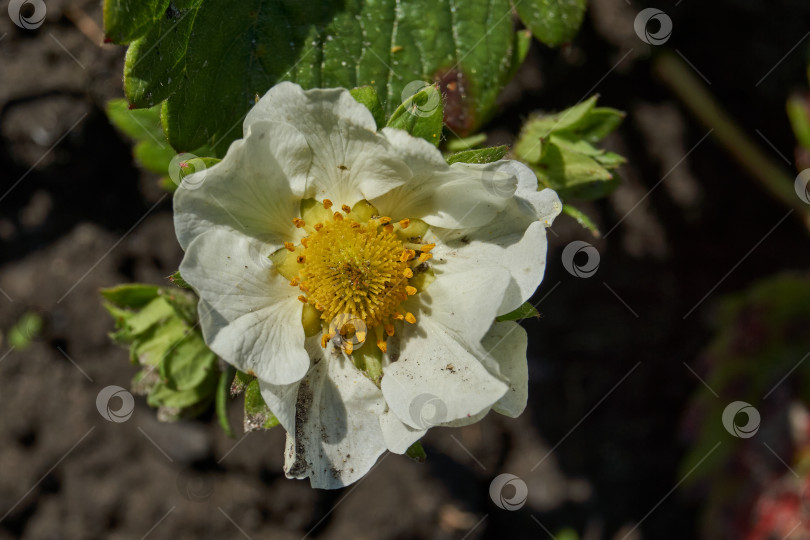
151	150
761	336
553	22
159	327
28	327
559	148
582	218
420	114
257	414
416	452
208	59
526	311
481	155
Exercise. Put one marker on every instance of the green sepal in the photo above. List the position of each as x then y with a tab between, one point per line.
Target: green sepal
257	414
416	452
525	311
420	115
481	155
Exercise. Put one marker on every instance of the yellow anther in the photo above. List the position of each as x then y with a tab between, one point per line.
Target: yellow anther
327	204
410	318
305	241
301	259
303	298
355	225
407	255
338	216
408	273
427	247
385	220
382	345
389	228
398	316
389	329
424	256
410	290
318	226
294	281
348	347
298	222
346	208
290	246
325	339
404	223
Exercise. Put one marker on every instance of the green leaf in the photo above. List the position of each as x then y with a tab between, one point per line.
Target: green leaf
164	396
178	280
553	22
25	331
526	311
132	295
257	414
598	123
420	115
152	150
582	218
368	97
482	155
559	168
416	452
240	383
223	386
456	144
125	20
210	58
187	363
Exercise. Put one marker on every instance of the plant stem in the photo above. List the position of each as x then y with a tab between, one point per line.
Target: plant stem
694	95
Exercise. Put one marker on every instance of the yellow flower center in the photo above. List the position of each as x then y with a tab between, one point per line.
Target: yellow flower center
355	269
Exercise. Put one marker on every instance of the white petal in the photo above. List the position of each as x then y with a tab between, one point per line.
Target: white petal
397	435
514	240
350	160
250	191
332	422
249	314
438	376
461	195
507	342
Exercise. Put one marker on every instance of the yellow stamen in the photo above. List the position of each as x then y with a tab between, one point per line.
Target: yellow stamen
404	223
290	246
298	222
303	298
318	226
424	256
389	228
410	318
301	259
294	281
327	204
410	290
385	220
389	329
338	216
346	208
427	247
305	241
408	273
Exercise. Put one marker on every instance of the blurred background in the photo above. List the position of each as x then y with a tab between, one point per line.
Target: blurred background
700	301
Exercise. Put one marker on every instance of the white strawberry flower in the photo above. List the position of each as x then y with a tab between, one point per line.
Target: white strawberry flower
358	276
